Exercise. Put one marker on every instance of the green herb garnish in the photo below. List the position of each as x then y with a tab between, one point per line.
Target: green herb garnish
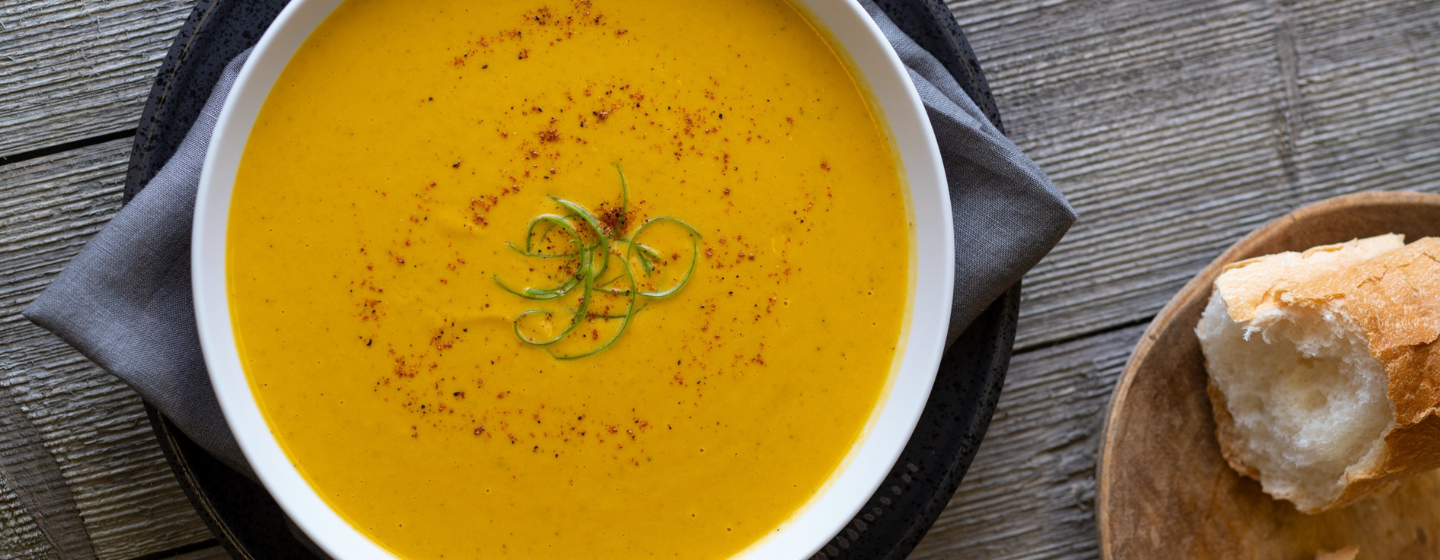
578	224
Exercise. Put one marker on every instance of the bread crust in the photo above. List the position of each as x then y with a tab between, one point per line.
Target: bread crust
1393	294
1225	431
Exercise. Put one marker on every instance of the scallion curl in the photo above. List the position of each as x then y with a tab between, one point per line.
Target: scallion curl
587	275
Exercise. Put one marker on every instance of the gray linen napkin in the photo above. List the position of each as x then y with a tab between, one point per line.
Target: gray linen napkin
125	301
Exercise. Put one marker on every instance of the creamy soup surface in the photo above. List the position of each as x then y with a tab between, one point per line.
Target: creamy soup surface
378	271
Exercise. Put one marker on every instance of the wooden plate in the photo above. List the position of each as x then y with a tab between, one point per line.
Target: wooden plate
1163	490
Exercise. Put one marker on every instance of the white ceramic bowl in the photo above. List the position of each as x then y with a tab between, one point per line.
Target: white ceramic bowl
808	529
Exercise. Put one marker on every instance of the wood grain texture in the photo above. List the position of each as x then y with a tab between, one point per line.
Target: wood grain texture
75	69
1192	504
1030	492
89	423
32	474
1176	127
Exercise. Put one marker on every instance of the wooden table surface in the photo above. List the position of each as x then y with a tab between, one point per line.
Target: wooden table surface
1173	126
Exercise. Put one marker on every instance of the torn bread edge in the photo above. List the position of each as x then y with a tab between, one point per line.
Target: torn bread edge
1392	292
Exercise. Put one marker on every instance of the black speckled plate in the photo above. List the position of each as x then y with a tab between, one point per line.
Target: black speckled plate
252	526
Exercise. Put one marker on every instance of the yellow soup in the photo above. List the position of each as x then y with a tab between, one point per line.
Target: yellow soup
378	271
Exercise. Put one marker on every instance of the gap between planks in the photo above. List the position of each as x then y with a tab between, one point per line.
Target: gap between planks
66	146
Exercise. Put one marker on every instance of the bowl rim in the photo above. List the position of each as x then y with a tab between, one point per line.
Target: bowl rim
892	95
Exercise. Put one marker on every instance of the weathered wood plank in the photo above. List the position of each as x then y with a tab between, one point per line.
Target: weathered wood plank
104	455
71	70
1031	491
1175	127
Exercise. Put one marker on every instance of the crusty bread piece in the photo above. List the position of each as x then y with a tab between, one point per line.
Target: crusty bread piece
1324	369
